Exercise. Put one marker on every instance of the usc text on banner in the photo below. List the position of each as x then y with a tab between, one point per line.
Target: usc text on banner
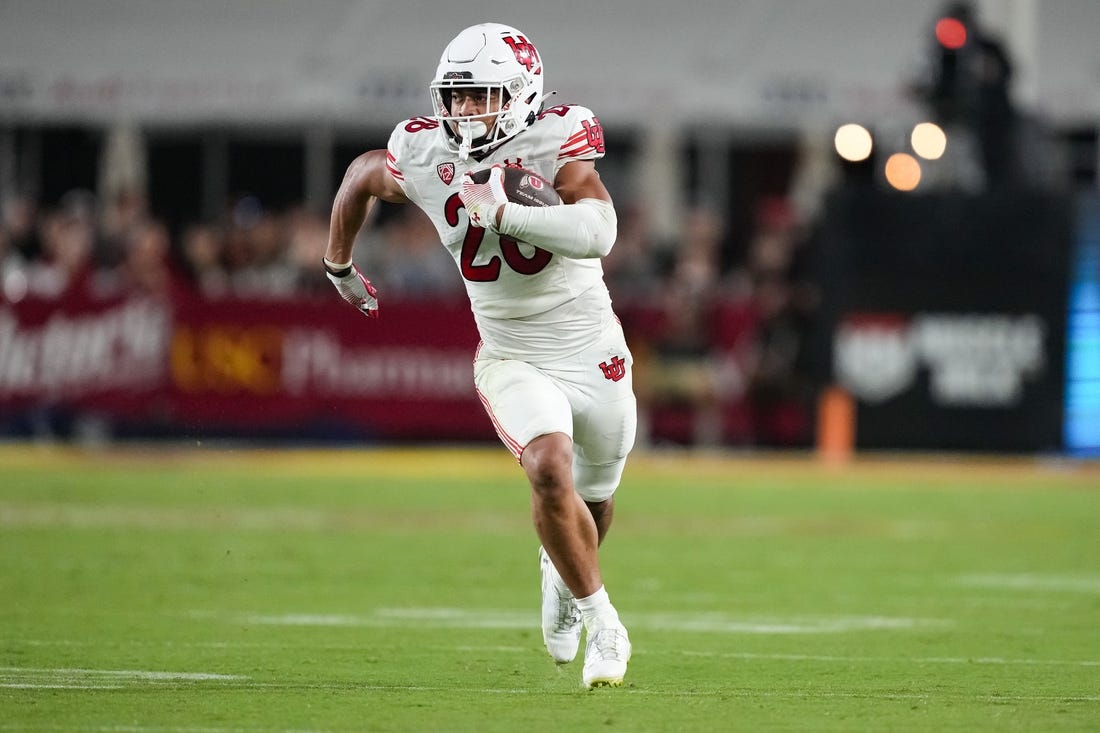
191	367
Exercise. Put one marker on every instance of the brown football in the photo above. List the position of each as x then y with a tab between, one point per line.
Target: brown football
523	186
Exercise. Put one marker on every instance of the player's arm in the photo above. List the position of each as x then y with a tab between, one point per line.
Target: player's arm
583	226
365	182
578	180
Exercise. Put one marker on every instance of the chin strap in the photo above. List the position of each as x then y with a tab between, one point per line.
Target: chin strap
469	131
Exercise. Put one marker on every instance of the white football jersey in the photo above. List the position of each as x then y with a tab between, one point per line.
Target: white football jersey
528	302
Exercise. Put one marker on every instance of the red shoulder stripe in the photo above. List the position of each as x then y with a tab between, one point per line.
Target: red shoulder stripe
575	138
576	150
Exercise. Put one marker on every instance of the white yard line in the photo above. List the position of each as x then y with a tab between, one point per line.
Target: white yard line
786	695
122	673
669	622
59	686
71	678
147	729
918	660
724	692
513	649
1032	582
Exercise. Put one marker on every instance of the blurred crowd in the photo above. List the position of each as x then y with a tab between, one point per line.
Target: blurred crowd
719	337
80	247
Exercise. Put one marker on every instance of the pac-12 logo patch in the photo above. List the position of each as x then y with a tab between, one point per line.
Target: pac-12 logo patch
615	370
446	172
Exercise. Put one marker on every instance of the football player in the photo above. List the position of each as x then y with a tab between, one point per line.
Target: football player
553	369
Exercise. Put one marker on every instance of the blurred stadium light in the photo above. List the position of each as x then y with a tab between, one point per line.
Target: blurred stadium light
902	171
853	142
951	33
928	140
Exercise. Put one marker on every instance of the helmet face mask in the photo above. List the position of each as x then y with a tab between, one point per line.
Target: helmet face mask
474	128
501	61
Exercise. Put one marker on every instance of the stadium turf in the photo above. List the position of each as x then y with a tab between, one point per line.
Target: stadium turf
146	590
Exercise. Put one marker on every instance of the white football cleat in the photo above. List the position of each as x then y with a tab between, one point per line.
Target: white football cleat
561	620
605	657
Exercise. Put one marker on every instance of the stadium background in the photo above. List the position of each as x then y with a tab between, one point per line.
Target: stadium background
166	170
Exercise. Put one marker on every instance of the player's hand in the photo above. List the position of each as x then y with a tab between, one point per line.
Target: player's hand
483	200
353	287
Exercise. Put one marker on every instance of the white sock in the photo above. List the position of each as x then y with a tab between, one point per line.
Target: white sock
596	610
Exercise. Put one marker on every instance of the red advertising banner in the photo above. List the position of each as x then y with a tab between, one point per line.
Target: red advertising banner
281	367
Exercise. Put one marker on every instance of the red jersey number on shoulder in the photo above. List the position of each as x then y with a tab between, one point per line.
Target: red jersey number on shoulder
417	124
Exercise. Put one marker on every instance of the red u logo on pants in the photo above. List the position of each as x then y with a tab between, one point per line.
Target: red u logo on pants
614	371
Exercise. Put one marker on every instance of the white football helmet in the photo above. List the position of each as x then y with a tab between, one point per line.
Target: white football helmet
500	60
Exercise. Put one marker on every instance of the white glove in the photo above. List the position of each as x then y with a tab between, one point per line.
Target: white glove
353	286
482	200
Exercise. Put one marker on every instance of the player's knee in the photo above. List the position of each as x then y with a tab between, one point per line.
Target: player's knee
597	483
548	461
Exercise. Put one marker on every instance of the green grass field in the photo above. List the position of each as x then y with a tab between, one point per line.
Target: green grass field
237	590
